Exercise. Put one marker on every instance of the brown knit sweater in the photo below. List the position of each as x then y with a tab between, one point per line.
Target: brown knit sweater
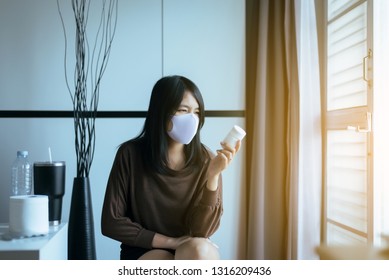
138	204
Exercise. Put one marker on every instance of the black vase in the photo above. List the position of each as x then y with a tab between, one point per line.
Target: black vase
81	234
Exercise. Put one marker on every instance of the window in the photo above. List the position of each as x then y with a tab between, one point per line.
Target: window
348	137
356	136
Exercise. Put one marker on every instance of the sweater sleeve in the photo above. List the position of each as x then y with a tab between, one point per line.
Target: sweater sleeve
205	215
115	222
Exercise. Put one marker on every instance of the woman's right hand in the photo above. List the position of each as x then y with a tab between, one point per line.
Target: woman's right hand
178	241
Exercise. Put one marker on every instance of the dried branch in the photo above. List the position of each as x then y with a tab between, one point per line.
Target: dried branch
88	70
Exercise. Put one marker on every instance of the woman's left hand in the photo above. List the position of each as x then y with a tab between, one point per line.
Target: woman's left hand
221	161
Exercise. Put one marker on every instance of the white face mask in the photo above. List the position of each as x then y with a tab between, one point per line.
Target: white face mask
184	128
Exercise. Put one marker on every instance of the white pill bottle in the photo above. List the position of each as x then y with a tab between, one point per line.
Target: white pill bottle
235	134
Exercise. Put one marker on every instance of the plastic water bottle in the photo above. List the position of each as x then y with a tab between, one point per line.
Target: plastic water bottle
21	174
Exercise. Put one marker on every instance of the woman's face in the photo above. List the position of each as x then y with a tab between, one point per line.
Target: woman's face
188	105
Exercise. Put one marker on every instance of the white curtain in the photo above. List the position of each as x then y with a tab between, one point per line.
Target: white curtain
283	121
310	159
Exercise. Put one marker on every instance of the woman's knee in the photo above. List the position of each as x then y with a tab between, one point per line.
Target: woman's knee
197	248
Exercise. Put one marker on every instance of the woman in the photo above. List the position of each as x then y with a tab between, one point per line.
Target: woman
164	193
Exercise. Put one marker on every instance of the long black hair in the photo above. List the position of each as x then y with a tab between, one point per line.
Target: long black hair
166	97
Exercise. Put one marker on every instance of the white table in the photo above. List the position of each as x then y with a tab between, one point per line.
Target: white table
52	246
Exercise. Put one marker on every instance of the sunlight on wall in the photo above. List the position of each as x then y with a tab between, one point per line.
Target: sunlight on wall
380	118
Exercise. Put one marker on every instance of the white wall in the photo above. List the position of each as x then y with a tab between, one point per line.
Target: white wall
203	40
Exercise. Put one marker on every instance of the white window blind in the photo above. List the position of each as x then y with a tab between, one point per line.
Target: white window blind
347	45
335	7
348	123
347	186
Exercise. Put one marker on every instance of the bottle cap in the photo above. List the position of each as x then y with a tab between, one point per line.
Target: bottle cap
22	153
